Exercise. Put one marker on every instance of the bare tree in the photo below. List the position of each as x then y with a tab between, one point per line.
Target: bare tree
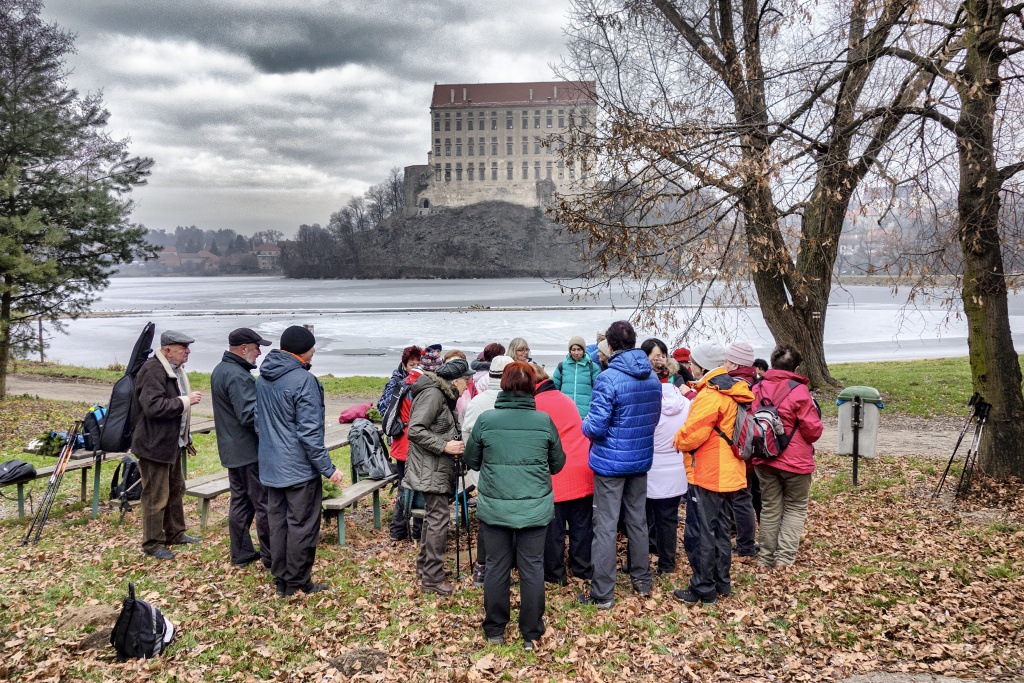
729	147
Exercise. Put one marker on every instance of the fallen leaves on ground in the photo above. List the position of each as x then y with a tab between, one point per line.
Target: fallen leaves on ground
886	579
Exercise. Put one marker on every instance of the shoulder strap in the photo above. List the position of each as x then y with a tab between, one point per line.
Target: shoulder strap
560	365
722	434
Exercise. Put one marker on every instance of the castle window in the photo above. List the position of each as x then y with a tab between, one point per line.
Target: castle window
458	172
469	124
509	170
469	148
494	124
549	119
437	125
508	146
481	169
536	170
536	145
526	145
494	148
561	122
458	124
458	147
561	170
508	120
480	148
447	147
470	170
547	170
494	170
447	125
572	171
447	173
536	121
437	172
526	120
526	170
548	148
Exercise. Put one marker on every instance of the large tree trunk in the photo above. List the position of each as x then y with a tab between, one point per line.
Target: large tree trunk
5	333
995	370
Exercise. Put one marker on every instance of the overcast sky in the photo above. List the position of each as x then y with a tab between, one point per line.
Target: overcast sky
265	114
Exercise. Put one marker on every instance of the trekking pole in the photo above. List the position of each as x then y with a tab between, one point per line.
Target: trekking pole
465	515
458	568
974	404
52	487
968	471
125	505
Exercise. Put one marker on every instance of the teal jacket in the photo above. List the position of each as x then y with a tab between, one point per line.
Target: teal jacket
575	379
516	448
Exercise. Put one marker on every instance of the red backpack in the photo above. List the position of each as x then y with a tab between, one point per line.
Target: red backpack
759	432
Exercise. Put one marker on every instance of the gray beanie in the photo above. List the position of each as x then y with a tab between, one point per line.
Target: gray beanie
708	356
740	353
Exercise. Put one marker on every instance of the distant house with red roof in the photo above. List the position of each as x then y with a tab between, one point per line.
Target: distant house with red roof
268	256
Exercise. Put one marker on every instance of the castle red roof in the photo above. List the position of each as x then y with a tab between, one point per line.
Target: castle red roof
503	94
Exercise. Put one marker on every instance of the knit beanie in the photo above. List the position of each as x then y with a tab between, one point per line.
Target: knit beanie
740	353
708	356
297	339
577	341
498	364
604	348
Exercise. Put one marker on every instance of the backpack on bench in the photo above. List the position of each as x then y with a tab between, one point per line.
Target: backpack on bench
370	456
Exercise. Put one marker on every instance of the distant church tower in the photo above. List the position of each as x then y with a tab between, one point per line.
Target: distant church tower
488	144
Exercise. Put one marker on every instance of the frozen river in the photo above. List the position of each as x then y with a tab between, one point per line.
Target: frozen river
362	325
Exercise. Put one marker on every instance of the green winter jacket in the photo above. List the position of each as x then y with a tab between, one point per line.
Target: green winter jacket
516	448
575	379
432	424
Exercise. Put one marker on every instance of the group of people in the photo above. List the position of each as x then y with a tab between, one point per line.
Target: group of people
611	441
270	437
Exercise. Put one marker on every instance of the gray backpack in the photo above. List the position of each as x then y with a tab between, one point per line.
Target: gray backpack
370	457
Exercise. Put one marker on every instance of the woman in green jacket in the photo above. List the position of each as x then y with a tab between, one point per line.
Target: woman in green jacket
516	448
575	376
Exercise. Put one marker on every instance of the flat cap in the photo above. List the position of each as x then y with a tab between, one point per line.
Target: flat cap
243	335
171	337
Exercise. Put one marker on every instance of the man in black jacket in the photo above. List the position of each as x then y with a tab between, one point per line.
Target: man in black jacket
234	414
161	410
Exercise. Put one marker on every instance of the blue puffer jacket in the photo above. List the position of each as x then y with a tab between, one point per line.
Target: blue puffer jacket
290	422
624	412
576	379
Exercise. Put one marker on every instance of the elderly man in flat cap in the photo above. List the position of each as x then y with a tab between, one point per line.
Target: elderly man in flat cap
161	408
233	389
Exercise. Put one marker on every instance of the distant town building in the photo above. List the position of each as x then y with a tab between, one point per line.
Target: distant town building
268	256
500	141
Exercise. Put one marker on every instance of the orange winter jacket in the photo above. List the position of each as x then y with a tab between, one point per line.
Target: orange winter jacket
710	462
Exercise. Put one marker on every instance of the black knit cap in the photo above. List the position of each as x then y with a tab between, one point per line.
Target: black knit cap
297	340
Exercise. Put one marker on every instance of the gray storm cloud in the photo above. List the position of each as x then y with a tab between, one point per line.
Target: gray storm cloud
271	114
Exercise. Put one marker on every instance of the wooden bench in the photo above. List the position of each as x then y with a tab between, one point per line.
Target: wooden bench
80	465
335	507
206	488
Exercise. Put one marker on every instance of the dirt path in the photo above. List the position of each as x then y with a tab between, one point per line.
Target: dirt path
99	392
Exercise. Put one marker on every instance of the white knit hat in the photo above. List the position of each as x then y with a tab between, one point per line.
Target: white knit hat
708	356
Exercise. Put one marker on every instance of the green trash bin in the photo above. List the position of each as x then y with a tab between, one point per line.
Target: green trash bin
867	438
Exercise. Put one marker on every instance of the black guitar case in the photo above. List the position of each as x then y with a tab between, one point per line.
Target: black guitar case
117	430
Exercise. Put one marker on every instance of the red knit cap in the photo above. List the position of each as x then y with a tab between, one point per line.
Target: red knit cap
682	355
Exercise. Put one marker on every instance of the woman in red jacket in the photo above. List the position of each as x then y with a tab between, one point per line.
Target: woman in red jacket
400	451
573	487
786	480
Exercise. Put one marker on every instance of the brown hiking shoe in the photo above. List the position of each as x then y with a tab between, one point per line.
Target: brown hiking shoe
443	588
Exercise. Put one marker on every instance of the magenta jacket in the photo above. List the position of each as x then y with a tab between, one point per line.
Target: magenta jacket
797	409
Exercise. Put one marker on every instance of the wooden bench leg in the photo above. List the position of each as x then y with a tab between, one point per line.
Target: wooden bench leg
376	509
96	488
85	480
341	527
21	501
204	512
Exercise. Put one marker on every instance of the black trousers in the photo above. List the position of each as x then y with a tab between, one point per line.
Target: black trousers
399	522
293	514
527	545
577	515
663	527
248	504
707	540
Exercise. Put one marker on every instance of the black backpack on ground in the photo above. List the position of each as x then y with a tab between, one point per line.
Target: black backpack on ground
141	629
370	457
127	480
13	470
92	427
117	430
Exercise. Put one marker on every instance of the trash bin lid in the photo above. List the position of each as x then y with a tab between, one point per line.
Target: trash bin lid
867	394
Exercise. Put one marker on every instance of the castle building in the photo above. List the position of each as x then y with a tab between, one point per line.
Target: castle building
499	141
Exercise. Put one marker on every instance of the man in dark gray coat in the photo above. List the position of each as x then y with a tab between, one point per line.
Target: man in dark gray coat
292	458
234	413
